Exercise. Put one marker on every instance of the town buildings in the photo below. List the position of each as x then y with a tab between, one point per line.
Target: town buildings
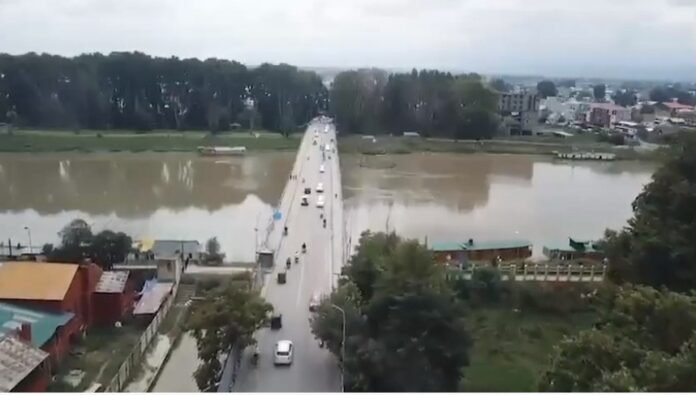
608	114
520	112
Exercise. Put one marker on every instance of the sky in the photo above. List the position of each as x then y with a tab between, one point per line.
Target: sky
631	39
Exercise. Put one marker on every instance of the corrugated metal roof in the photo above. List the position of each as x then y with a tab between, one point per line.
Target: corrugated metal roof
43	323
17	361
446	246
35	280
153	296
480	245
112	282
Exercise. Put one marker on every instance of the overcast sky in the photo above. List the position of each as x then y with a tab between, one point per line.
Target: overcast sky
604	38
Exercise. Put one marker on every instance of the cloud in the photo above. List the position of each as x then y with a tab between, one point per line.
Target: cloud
631	38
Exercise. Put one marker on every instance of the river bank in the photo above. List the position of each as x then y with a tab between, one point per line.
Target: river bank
132	141
526	145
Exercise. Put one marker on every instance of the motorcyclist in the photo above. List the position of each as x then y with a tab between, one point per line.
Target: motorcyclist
285	230
304	247
325	222
255	355
297	257
287	263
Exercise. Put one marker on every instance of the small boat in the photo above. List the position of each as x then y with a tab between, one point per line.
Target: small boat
586	155
222	151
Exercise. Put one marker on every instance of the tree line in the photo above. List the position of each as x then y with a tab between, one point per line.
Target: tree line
430	102
135	91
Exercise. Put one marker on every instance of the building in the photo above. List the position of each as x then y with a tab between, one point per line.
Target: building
607	114
51	287
23	367
671	109
113	298
520	112
573	249
462	252
51	332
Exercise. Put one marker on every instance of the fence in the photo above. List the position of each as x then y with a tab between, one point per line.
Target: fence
540	272
119	382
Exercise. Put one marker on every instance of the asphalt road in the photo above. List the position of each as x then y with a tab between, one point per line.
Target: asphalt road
314	369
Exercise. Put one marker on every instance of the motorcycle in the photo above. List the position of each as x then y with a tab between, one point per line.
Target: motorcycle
304	248
324	223
255	357
287	263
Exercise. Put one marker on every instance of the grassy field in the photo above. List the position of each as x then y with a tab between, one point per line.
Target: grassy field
511	350
130	141
514	145
102	353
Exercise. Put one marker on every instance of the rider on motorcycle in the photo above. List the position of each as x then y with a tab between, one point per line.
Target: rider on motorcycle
304	247
287	263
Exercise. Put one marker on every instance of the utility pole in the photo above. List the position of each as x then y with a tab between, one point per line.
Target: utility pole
343	346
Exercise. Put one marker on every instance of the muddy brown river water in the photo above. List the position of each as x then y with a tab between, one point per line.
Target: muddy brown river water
439	196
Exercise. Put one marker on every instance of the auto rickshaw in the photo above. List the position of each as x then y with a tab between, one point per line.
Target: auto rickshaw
276	321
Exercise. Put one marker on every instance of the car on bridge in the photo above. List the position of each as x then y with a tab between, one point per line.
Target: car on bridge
320	187
322	168
320	201
283	353
308	190
305	200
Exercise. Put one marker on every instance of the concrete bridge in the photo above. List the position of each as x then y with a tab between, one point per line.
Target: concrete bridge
314	369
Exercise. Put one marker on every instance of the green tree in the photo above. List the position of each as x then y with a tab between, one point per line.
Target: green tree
644	342
402	320
226	319
599	92
625	98
657	247
500	85
546	88
108	247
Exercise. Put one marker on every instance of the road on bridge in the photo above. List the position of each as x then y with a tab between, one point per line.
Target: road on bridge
314	369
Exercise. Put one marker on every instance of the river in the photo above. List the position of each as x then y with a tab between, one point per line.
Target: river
439	196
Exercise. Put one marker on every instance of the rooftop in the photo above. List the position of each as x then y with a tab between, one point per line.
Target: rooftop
112	282
153	296
572	245
608	106
17	361
35	280
43	324
480	245
677	106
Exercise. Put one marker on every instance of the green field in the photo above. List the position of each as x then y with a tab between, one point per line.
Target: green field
130	141
533	145
511	350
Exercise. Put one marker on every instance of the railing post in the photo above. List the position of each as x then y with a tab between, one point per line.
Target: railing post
592	272
546	272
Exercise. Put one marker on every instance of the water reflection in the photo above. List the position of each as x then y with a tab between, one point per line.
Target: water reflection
178	196
455	197
135	186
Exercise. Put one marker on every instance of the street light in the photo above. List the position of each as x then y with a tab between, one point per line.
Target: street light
343	346
29	233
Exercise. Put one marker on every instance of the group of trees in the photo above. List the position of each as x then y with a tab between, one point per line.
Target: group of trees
645	339
136	91
433	103
404	326
78	243
225	319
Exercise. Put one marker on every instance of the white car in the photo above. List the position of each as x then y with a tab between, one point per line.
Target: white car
282	355
320	201
321	168
320	187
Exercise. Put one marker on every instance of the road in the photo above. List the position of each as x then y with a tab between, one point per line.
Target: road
314	369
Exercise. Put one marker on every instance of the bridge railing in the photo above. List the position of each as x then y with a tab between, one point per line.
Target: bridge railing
539	272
